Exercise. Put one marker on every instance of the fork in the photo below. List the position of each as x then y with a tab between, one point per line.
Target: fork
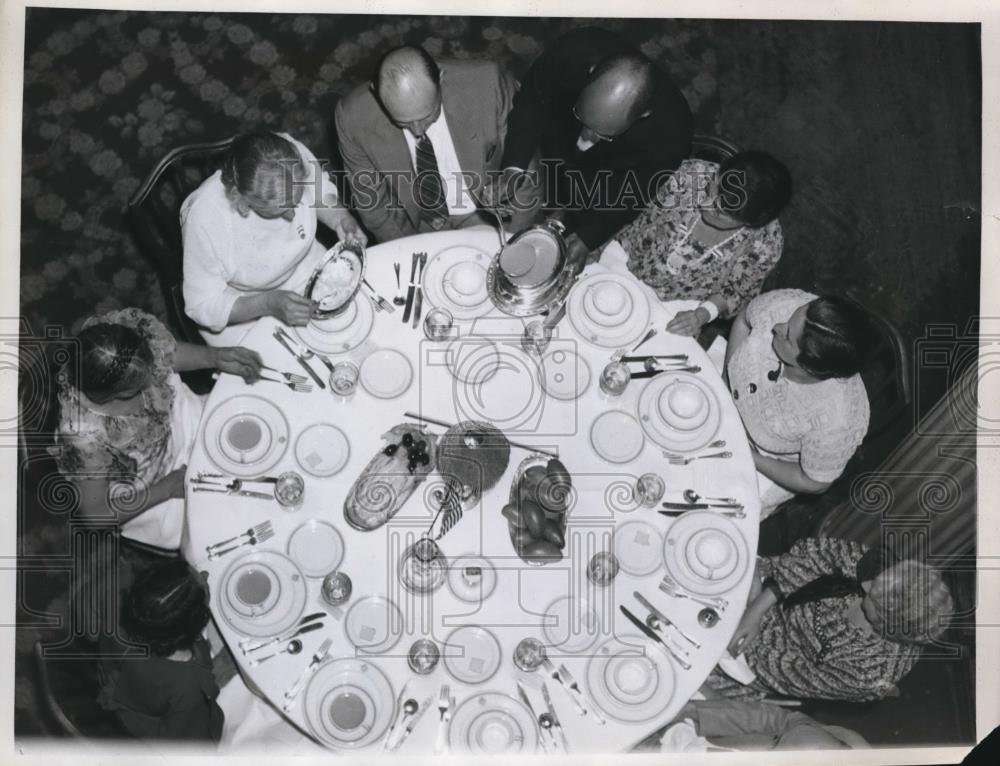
289	376
381	304
671	588
444	705
304	351
252	532
681	460
263	537
296	386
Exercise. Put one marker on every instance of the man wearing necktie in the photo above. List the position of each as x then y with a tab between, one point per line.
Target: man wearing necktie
606	126
418	141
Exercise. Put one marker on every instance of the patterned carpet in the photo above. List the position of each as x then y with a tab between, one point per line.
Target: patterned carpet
878	122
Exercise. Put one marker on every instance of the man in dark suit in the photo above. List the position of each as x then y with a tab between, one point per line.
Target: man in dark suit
418	141
607	127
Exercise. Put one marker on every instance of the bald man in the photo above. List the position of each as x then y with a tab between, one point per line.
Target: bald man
418	140
607	126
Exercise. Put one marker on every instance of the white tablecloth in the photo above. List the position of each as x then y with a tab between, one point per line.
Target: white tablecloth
514	401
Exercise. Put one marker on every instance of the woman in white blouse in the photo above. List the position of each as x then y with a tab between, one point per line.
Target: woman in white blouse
249	235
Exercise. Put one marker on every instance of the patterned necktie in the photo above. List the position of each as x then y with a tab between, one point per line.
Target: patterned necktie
429	187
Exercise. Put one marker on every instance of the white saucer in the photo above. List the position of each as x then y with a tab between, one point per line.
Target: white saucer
386	373
506	392
373	625
229	430
471	654
337	336
632	684
613	330
316	547
348	704
492	723
261	594
564	374
455	279
639	548
469	585
660	432
570	626
322	449
608	304
683	406
616	437
705	553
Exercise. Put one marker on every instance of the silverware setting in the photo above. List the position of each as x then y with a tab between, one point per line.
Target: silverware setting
660	370
671	588
420	290
414	719
291	648
399	300
232	486
646	337
652	635
446	703
381	304
253	539
254	532
248	645
306	352
549	720
681	460
410	704
293	692
538	719
291	377
285	340
581	702
693	497
414	260
297	387
662	620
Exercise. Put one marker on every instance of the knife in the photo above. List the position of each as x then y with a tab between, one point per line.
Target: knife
245	644
682	357
410	290
555	720
279	336
663	618
256	660
243	492
527	703
420	290
413	722
650	633
305	352
293	692
399	714
651	373
702	506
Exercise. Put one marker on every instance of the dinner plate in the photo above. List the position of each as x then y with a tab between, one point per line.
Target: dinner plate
564	374
493	723
705	553
316	547
340	334
386	373
455	279
609	310
633	683
374	624
472	360
471	654
570	626
261	594
655	397
322	449
472	578
504	390
348	703
639	548
245	436
616	437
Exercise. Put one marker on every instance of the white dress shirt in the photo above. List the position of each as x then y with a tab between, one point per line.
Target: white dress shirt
459	200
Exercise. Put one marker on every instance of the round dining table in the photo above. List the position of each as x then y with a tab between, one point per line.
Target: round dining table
605	685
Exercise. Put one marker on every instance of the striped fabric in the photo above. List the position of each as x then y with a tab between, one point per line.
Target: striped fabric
429	186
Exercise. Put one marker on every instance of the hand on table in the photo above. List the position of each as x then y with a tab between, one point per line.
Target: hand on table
347	229
237	360
291	308
576	253
173	483
688	323
747	630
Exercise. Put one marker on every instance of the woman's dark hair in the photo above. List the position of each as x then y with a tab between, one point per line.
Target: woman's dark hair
252	153
166	608
113	358
753	188
836	339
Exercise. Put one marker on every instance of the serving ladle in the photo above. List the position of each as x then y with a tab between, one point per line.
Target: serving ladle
693	497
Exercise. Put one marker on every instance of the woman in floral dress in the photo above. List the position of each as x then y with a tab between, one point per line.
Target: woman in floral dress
127	422
711	235
823	623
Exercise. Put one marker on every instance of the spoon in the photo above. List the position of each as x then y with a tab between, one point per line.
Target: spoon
647	336
294	647
409	708
399	300
693	497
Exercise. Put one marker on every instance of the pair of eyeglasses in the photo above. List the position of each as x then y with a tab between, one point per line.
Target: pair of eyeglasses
601	136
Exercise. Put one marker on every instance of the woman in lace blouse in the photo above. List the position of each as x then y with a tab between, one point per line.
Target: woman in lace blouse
711	235
127	422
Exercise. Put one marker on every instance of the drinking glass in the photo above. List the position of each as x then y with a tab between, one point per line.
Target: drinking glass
337	588
423	568
536	337
290	490
603	568
344	379
438	324
423	656
649	489
614	379
529	654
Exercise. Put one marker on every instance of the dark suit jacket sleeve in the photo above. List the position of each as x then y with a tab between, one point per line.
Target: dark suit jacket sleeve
373	196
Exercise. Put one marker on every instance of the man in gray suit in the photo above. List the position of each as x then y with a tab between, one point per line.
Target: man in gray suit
419	142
